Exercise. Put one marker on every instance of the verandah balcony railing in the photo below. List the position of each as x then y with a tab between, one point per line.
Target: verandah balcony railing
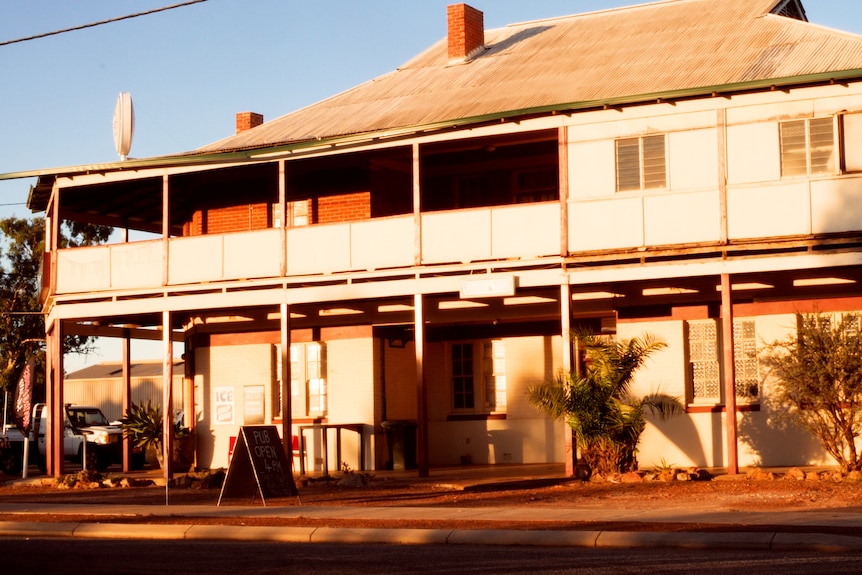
497	233
787	208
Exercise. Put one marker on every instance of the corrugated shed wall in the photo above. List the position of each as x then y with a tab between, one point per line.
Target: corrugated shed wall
107	394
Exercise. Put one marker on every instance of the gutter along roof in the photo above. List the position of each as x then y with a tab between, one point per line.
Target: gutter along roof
667	50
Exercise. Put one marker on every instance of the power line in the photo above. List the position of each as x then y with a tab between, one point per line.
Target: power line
109	21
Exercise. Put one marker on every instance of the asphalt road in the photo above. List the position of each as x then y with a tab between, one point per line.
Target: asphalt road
131	557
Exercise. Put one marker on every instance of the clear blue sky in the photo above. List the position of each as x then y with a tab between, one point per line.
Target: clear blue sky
190	69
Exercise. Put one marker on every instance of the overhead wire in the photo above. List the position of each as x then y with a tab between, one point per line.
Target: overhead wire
100	23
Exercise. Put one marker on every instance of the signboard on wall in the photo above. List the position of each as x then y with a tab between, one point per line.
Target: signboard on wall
488	286
224	405
259	466
253	407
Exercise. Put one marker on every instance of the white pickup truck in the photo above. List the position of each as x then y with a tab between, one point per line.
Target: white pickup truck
104	440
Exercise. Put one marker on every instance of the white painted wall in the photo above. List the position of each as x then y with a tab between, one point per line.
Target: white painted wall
699	439
222	374
525	436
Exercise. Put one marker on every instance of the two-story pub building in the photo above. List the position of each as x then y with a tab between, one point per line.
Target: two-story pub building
394	266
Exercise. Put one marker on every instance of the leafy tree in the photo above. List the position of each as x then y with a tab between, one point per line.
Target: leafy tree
606	418
22	327
818	379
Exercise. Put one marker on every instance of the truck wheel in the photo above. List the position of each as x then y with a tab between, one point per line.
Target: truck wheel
94	462
138	461
10	462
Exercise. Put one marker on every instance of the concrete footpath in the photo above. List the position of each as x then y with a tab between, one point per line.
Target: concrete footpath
804	529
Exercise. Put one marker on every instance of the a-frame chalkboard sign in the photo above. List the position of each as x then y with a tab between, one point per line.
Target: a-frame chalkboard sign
259	465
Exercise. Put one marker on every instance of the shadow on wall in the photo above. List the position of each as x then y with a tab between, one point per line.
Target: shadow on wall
682	432
776	441
505	446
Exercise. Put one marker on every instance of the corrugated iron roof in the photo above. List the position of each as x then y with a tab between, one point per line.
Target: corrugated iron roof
114	370
675	45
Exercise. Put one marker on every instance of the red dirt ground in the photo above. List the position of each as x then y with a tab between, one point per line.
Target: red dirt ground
722	494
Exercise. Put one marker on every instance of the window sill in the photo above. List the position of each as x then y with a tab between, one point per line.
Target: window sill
475	416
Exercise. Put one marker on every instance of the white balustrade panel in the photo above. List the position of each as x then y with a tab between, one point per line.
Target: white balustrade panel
525	231
383	243
195	259
462	236
83	269
318	249
137	264
252	255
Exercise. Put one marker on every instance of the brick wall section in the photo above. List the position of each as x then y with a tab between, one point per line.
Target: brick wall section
194	227
247	121
466	30
325	210
230	219
343	208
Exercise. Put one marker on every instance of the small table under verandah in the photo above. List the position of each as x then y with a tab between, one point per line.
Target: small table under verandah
324	428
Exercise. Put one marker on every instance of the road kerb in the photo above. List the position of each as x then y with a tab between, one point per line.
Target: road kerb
816	542
686	540
130	531
36	529
251	533
378	535
541	538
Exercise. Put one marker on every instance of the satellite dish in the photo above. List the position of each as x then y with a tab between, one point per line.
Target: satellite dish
124	124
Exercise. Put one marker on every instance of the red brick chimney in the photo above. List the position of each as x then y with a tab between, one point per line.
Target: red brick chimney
247	121
466	32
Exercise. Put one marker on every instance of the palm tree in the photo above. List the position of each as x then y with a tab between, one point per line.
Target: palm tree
606	418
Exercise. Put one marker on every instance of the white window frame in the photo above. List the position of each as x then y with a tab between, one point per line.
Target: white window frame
486	378
704	378
308	379
494	375
790	145
462	375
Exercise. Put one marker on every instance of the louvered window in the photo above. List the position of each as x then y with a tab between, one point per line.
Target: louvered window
641	163
807	147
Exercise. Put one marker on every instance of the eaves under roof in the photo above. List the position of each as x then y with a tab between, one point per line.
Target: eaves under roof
664	50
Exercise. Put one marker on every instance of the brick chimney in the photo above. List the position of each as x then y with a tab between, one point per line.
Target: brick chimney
466	32
247	121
